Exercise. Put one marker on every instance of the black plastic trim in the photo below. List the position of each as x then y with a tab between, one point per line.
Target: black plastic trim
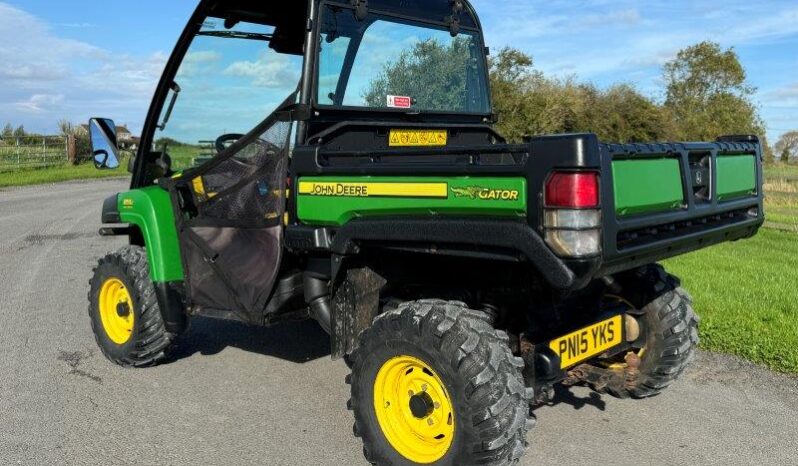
110	212
173	309
487	233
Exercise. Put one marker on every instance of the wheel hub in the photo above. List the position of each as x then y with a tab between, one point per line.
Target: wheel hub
114	304
414	410
421	405
123	309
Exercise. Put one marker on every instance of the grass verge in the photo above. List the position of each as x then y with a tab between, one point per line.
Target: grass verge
84	171
745	293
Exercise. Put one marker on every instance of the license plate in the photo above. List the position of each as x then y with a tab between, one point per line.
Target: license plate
417	138
588	342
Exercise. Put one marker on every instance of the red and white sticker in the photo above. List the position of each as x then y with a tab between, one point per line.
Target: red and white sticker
399	101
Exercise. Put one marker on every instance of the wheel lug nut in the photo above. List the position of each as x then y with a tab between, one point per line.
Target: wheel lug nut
430	421
437	405
424	387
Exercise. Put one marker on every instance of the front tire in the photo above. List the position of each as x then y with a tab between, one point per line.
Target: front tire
433	383
124	312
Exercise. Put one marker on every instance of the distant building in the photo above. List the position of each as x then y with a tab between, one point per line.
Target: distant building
124	138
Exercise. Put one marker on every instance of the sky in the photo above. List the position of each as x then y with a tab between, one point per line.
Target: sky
82	58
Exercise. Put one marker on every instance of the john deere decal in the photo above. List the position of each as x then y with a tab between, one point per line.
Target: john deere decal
333	189
486	194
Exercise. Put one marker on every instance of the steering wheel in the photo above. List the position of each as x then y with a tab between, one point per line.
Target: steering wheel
223	140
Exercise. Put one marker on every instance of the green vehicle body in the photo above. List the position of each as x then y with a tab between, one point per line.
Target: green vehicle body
466	196
150	210
640	187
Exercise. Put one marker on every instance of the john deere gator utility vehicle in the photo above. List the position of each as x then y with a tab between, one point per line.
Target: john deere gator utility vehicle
355	178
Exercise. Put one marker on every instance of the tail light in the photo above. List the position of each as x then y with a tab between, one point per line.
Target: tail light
572	215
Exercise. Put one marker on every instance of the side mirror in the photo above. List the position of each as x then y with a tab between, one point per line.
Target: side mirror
102	133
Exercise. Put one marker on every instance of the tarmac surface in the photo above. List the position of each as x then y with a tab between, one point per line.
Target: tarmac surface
234	395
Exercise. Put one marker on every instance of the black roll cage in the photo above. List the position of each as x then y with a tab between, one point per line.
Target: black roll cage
309	111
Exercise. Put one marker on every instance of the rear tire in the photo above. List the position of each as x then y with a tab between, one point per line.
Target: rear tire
472	362
135	335
670	326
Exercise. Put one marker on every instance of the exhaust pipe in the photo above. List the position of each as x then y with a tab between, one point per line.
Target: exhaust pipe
317	296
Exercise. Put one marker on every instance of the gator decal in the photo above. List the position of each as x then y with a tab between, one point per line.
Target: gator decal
342	189
487	194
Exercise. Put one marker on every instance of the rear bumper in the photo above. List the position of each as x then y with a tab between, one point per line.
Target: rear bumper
667	247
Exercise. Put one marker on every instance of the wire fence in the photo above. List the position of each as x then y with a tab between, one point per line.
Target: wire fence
33	152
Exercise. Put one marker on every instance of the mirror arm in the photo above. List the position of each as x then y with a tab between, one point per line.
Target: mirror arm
104	163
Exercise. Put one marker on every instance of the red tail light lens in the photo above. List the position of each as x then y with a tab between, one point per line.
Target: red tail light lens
572	190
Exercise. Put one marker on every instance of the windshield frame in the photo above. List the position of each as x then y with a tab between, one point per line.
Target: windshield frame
401	19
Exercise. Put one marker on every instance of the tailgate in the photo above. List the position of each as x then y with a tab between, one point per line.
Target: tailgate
667	199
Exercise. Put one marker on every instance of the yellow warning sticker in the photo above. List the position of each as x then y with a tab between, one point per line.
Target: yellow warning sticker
417	137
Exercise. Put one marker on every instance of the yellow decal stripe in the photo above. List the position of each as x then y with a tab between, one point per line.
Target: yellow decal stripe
426	190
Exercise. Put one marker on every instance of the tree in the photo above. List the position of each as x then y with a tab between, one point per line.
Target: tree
622	114
19	132
530	103
787	146
434	74
66	128
708	95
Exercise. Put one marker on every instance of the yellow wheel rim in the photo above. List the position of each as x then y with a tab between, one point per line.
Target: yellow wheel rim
414	410
116	311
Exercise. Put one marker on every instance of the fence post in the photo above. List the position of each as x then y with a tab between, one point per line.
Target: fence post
19	162
72	150
44	148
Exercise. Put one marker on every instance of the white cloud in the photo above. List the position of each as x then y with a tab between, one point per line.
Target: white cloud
45	77
198	62
39	102
35	46
788	92
270	70
627	17
595	37
78	25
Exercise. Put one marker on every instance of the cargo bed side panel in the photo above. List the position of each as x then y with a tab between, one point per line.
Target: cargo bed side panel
647	186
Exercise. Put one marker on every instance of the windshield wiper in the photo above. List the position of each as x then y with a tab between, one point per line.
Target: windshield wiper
237	35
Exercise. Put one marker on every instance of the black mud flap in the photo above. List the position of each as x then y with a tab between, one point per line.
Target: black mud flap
356	303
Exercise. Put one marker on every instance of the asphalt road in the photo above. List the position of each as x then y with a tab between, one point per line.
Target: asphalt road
236	395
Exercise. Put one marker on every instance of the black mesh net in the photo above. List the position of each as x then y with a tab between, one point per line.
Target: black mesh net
232	244
250	186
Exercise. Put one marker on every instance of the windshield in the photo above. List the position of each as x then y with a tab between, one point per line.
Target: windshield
384	62
228	82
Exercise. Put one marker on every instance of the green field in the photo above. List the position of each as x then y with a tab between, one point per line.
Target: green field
59	173
182	157
747	292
